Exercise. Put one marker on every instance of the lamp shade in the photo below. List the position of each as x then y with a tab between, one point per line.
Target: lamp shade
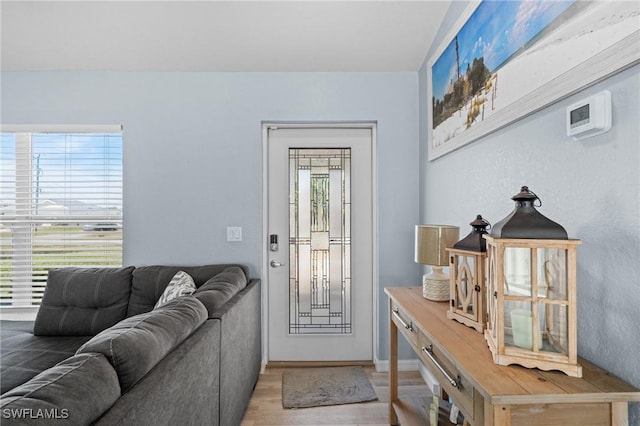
432	242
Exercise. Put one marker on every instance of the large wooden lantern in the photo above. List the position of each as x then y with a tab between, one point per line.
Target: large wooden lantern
467	287
531	291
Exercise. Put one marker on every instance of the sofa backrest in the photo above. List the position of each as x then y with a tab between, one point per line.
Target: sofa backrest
83	301
186	381
149	282
135	345
220	288
76	391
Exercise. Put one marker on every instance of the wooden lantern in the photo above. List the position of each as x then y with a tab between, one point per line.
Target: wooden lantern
531	303
467	287
531	291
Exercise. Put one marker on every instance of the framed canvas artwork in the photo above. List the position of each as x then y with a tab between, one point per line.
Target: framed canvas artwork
504	60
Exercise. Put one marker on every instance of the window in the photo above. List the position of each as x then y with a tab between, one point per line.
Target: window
60	205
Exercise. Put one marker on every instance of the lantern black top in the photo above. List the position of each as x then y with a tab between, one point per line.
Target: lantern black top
527	222
474	241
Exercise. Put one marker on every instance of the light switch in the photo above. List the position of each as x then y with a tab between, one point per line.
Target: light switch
234	233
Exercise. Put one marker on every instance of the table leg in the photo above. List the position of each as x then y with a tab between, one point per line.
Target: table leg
393	368
619	414
501	415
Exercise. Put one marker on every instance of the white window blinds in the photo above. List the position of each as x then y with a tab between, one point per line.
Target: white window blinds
60	205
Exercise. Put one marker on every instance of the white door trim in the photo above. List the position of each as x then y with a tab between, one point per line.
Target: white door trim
265	217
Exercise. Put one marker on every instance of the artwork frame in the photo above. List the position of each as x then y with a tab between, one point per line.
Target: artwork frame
616	49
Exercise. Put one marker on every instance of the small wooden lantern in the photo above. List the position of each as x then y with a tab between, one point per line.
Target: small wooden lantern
467	287
531	291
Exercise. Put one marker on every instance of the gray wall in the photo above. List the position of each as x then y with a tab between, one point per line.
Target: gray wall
193	153
591	187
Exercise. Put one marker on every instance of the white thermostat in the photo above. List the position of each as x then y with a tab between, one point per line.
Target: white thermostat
589	117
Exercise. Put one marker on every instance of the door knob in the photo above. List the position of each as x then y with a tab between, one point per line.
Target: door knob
275	264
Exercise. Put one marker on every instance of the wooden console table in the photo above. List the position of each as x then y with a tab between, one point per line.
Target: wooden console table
490	394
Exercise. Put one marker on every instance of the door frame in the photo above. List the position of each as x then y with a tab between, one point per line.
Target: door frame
266	125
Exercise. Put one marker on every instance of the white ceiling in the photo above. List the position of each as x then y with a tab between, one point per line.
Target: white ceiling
210	35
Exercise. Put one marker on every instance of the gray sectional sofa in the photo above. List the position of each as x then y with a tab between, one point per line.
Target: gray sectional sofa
99	353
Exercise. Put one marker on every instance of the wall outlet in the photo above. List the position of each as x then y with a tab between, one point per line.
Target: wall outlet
234	233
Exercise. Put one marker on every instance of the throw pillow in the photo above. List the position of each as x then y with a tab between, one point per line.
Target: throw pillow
180	285
149	282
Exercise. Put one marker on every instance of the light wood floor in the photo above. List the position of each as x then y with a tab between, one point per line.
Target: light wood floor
265	407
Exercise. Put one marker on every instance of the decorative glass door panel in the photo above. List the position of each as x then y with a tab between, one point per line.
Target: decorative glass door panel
320	241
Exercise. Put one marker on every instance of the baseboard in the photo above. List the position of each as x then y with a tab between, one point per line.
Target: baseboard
403	365
383	366
430	380
412	365
295	364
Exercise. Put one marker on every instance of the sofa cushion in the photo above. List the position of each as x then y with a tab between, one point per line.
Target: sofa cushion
221	288
77	391
23	355
150	281
9	329
83	301
180	285
135	345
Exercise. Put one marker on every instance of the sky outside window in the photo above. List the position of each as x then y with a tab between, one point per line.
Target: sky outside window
81	173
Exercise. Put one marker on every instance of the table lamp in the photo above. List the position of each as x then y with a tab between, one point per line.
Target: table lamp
430	249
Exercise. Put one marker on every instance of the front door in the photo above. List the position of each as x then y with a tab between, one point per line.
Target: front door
320	255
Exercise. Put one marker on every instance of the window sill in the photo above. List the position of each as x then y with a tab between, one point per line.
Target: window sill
11	313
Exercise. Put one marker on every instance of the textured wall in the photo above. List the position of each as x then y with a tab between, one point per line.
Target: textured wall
193	153
591	187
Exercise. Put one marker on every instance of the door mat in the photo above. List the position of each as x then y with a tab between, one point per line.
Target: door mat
312	387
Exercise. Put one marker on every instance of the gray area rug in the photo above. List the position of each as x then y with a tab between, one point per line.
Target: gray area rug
312	387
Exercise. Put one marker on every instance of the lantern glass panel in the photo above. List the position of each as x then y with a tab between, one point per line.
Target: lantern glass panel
552	273
465	284
553	322
517	271
518	325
